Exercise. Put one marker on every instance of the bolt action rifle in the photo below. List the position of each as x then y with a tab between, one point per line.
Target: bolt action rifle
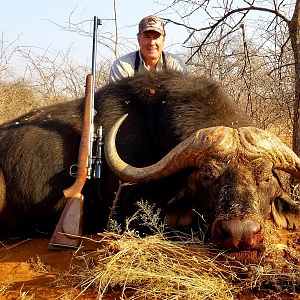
69	228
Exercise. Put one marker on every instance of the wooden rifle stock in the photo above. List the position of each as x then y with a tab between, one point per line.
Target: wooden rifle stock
69	228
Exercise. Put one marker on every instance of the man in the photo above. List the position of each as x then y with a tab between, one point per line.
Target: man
151	38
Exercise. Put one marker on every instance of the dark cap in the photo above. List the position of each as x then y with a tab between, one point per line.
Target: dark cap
152	23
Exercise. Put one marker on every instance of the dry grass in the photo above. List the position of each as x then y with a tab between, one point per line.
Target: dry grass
154	268
158	268
3	288
150	268
15	99
181	267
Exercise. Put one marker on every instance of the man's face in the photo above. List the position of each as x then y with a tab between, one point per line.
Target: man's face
151	44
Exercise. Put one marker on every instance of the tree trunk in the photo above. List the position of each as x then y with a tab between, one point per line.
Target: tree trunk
294	30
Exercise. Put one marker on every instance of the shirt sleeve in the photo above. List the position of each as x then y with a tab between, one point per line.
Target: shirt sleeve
117	72
175	63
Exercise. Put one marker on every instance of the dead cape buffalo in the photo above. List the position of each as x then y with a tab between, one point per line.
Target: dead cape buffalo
186	144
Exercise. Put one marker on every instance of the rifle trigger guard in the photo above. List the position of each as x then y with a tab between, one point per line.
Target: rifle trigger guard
73	170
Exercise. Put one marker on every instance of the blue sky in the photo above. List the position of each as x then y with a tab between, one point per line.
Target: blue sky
36	24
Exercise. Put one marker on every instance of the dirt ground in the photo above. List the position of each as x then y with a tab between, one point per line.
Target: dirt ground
20	278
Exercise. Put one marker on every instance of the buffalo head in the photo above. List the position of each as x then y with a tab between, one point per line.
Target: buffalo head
232	182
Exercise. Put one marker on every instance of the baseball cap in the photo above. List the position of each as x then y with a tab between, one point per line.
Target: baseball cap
152	23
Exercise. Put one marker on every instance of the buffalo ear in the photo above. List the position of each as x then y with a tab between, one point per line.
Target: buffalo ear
286	212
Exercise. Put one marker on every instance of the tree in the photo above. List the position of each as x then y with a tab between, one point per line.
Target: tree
225	19
294	30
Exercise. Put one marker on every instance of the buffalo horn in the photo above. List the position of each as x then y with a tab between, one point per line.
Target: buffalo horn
260	142
190	152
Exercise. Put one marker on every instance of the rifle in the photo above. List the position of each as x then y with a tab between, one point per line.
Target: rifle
69	227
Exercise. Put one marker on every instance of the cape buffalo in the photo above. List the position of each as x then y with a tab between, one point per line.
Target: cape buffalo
187	145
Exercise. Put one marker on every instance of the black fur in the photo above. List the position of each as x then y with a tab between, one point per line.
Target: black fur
37	149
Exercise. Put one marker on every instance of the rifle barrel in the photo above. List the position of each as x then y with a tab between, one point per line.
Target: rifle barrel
97	22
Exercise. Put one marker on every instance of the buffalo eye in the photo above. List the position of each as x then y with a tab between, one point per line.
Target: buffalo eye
265	180
264	177
206	178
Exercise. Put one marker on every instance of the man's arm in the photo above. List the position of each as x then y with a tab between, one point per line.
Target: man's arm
117	72
122	67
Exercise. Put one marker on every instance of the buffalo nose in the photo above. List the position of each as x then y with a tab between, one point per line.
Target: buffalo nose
237	234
